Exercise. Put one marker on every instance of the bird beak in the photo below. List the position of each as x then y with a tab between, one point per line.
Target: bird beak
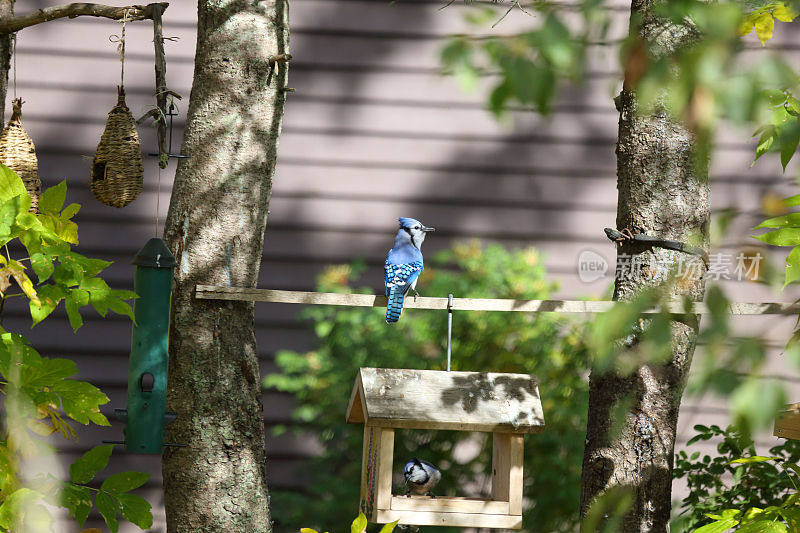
426	229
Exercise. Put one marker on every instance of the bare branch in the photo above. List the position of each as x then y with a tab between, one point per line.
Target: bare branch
16	23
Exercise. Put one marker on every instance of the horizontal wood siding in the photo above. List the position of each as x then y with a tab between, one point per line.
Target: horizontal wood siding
372	132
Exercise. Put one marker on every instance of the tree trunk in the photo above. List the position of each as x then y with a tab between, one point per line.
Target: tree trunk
6	10
662	180
215	227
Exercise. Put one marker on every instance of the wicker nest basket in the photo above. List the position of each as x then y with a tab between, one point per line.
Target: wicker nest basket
18	153
117	164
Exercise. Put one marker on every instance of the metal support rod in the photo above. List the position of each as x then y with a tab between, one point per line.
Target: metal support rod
449	327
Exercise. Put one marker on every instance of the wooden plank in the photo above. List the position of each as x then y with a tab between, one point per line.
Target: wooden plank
355	407
516	449
787	426
430	518
366	500
501	463
449	505
464	401
383	481
212	292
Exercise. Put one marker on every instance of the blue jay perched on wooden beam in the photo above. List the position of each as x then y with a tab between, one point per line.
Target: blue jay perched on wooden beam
403	265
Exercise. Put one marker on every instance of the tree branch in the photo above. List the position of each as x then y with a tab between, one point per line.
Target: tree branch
13	24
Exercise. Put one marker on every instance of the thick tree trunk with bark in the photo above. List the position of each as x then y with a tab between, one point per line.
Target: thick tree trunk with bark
215	228
663	191
6	12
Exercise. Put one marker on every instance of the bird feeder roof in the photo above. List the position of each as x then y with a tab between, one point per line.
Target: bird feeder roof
433	399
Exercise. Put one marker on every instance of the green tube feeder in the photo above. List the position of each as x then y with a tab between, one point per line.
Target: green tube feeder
146	414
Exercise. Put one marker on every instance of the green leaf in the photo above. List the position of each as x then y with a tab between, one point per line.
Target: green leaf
119	306
42	266
784	13
781	237
72	303
359	525
84	469
792	266
792	201
789	141
753	459
768	136
791	220
764	525
124	481
499	97
70	211
308	530
52	199
135	509
11	184
81	400
51	370
764	25
388	528
77	500
49	296
720	526
108	510
15	504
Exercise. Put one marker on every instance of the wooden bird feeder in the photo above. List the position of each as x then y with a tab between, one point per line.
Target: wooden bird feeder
787	425
506	405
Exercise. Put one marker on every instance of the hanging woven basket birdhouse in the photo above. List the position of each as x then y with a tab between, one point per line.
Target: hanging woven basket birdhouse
18	153
117	164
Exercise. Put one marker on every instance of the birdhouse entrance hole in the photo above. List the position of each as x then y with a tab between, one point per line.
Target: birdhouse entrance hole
506	405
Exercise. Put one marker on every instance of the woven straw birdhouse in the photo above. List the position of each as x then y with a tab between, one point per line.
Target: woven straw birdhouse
117	165
18	153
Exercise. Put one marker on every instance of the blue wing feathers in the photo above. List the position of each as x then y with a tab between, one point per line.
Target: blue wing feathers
398	280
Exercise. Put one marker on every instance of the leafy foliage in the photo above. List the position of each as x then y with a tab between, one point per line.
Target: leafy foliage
527	65
359	525
349	338
40	396
738	487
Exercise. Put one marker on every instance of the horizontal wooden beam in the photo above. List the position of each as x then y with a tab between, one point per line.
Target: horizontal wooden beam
431	518
211	292
78	9
447	504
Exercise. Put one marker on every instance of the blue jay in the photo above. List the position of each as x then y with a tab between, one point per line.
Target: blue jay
403	265
421	477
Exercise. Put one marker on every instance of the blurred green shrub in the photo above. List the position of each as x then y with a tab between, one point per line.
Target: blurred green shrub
738	485
538	343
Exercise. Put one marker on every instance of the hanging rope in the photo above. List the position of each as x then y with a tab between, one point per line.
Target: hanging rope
120	40
158	196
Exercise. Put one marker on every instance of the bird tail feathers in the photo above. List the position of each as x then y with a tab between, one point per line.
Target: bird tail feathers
394	305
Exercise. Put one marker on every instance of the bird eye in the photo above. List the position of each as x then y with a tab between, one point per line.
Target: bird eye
416	227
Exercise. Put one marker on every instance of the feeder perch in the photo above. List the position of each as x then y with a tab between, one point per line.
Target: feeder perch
146	415
18	153
787	425
117	165
506	405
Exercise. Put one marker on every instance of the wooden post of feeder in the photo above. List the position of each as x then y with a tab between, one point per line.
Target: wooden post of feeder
787	425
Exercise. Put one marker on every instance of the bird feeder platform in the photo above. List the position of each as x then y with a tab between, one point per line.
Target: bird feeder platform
787	425
506	405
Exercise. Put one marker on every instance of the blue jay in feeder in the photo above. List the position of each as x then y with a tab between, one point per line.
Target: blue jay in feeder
421	477
403	265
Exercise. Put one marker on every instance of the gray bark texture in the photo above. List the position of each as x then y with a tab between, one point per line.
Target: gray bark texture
215	228
662	181
6	12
